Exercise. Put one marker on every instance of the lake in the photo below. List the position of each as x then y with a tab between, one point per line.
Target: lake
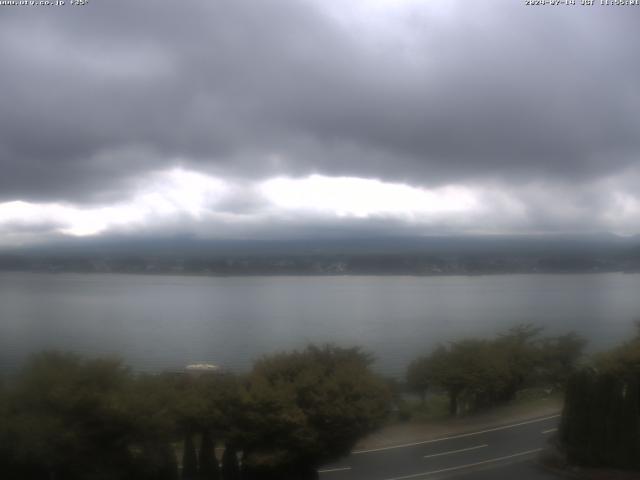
166	322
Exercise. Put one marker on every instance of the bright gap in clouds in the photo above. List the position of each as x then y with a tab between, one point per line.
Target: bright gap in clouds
361	197
160	196
180	200
177	194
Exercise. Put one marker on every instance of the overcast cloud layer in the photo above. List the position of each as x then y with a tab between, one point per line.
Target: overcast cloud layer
247	119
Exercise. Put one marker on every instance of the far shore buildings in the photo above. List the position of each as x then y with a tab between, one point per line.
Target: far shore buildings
199	369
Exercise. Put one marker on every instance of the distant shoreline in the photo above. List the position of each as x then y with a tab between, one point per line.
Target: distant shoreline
318	275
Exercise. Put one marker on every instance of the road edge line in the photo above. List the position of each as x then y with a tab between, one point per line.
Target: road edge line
453	437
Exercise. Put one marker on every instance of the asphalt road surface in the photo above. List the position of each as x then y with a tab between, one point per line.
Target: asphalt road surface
503	452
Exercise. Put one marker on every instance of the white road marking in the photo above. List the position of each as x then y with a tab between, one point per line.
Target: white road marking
551	430
456	451
453	437
331	470
468	465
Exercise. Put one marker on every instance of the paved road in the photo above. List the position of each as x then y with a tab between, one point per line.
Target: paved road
505	452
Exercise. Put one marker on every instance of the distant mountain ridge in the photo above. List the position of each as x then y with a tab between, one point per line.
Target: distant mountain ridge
435	255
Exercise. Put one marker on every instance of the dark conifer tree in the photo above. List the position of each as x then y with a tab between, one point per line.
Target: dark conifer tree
601	420
574	428
209	468
230	466
624	435
606	388
169	470
157	462
189	459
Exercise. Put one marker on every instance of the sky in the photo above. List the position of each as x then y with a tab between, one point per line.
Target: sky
291	118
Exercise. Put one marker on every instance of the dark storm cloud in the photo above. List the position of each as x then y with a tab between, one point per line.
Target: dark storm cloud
93	96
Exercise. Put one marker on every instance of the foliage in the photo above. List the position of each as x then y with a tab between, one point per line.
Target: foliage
559	358
209	469
418	378
624	359
308	407
67	417
520	353
472	372
479	373
189	458
230	466
601	418
435	407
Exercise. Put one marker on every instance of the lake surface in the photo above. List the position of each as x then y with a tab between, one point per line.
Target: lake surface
166	322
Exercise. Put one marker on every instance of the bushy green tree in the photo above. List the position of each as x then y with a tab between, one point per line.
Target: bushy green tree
67	419
520	350
220	396
444	371
72	418
151	408
479	373
473	373
308	407
205	404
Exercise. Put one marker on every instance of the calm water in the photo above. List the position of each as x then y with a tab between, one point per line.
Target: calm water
165	322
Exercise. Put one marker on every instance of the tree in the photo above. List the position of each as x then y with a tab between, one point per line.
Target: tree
209	468
418	377
156	461
189	409
308	407
471	372
67	419
522	356
189	458
559	357
600	423
479	373
230	466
